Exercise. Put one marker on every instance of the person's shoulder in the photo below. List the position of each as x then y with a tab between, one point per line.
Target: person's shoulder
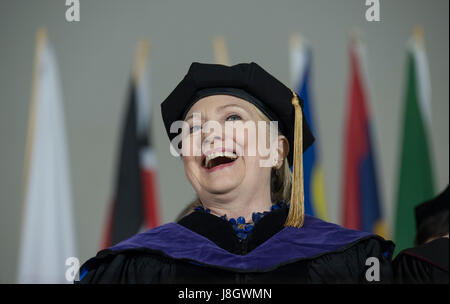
127	266
340	238
434	252
353	256
427	263
127	260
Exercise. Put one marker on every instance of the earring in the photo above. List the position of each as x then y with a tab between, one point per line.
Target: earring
275	163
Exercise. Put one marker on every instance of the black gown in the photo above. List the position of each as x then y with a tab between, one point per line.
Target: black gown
203	248
427	263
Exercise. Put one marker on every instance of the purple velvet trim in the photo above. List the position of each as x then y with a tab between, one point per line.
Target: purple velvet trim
314	238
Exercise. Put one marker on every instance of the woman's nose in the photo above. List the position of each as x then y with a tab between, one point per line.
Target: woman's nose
212	134
211	139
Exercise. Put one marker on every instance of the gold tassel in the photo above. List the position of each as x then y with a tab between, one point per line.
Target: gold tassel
296	214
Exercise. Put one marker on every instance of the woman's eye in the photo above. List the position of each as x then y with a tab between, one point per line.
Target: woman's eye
234	117
194	129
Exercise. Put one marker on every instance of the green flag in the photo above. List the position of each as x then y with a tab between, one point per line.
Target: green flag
415	183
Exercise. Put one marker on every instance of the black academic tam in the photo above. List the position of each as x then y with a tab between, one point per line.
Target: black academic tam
203	248
247	81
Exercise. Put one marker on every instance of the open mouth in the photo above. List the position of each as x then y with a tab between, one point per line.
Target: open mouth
218	159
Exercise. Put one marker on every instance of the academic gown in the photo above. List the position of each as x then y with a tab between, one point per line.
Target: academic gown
204	248
427	263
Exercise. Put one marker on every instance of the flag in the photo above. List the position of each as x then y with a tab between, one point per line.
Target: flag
415	180
134	206
360	196
301	59
47	236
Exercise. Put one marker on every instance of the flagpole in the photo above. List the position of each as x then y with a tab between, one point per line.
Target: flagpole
419	51
141	59
419	35
296	42
220	50
357	45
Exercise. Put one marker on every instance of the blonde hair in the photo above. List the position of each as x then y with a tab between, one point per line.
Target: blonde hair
280	182
280	179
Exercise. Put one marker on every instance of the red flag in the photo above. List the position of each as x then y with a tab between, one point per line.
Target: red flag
360	192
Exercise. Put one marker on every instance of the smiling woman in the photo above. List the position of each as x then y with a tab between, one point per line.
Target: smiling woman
243	130
240	149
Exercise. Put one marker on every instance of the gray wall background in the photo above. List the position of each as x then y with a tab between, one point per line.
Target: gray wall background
95	57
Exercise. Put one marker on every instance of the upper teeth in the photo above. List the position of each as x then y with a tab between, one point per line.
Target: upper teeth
211	156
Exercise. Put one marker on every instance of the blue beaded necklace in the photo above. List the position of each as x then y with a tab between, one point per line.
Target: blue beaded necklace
242	228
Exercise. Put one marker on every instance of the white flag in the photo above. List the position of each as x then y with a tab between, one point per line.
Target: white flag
47	238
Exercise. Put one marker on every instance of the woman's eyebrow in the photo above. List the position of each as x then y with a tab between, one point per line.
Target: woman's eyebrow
189	117
229	106
218	109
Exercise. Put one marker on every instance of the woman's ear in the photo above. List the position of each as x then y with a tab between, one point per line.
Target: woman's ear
282	149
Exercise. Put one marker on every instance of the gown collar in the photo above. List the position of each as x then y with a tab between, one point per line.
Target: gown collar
222	233
290	244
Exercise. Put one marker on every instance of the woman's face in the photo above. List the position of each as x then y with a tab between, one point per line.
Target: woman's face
225	161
